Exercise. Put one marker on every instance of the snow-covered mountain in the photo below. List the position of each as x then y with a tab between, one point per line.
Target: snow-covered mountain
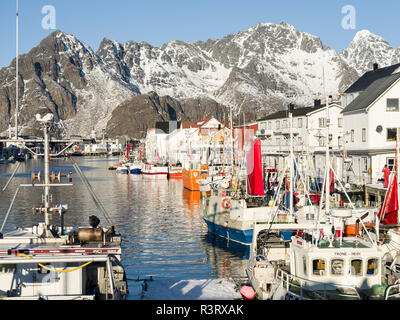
260	69
367	49
66	77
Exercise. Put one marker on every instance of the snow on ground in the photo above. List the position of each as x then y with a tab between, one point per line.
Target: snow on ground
164	289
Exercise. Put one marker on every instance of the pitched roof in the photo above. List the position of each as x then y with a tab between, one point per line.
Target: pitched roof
369	77
376	89
297	112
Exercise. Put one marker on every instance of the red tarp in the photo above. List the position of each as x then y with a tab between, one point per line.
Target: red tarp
127	151
390	206
255	185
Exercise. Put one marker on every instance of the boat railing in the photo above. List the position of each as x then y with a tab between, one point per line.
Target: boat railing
392	291
310	289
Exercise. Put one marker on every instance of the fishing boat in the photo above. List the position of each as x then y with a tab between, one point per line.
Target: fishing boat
230	208
191	173
321	264
135	167
174	172
54	261
123	168
155	170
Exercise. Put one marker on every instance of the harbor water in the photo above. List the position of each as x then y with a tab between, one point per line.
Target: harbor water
164	236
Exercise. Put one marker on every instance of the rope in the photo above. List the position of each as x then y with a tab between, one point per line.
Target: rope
56	270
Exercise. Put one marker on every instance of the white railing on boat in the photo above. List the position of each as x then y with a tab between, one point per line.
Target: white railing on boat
392	291
323	291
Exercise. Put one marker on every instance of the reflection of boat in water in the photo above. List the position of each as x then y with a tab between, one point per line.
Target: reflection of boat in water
191	197
58	262
227	259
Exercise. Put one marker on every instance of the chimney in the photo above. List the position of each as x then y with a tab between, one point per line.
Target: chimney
317	102
291	107
375	66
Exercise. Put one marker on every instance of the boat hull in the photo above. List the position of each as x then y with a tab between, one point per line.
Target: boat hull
190	178
243	237
136	171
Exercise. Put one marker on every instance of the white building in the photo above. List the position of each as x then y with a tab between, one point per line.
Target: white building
309	135
182	142
370	124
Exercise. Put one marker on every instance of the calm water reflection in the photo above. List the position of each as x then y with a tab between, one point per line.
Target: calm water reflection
162	231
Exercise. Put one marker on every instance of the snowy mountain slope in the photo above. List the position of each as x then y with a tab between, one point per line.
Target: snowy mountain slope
66	77
367	49
258	70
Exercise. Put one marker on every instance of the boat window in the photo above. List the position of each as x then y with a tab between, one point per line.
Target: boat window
305	265
319	267
337	267
356	267
372	267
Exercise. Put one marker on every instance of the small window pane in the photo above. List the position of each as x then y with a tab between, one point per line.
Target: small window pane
305	265
356	267
391	134
364	135
340	122
372	268
300	122
337	267
319	267
392	105
352	135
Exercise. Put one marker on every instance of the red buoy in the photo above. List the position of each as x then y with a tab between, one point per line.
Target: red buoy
247	293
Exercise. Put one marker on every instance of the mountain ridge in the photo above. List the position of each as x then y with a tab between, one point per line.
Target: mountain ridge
258	70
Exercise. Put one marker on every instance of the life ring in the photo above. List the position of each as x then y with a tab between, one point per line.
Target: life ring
226	203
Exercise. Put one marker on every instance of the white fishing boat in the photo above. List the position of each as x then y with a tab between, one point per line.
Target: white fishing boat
155	170
54	261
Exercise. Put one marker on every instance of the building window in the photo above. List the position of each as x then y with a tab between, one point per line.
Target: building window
300	123
340	141
356	267
372	267
392	105
352	135
340	122
390	163
285	124
277	125
337	267
319	267
364	134
391	134
269	125
321	141
322	122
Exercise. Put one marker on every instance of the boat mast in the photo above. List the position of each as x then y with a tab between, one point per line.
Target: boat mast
46	174
16	76
291	168
327	160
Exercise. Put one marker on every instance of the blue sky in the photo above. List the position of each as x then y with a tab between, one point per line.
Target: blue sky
160	21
